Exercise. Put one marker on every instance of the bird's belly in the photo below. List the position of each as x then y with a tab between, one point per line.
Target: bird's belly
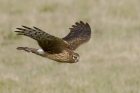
61	57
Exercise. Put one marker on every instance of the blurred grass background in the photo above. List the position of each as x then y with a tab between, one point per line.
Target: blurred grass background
109	63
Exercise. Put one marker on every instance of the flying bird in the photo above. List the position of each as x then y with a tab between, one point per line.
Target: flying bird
58	49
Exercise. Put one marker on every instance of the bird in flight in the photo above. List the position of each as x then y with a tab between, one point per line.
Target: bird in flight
58	49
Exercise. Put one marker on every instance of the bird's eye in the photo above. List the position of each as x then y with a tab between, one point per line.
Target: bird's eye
74	57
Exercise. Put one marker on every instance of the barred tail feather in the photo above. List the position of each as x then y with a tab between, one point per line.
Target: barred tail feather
33	50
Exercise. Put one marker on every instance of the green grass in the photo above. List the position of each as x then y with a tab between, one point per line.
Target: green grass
109	62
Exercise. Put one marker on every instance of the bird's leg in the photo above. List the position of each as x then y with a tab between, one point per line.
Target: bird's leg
28	49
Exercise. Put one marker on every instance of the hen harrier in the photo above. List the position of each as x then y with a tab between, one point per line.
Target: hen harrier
58	49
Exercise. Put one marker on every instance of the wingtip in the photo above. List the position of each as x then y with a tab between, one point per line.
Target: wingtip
81	22
24	26
87	24
17	28
15	31
84	23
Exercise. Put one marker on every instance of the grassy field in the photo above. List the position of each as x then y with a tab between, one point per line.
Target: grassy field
109	63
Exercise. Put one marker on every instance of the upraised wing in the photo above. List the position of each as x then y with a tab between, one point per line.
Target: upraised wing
79	34
47	42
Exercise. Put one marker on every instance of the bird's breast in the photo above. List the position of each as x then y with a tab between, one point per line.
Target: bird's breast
61	57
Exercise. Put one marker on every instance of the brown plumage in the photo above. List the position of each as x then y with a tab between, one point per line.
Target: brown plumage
58	49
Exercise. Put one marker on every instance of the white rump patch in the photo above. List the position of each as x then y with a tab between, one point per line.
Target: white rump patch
40	51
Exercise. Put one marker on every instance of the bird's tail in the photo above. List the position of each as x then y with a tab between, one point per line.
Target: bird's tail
27	49
39	52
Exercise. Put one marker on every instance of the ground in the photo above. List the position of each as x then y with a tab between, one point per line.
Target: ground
109	63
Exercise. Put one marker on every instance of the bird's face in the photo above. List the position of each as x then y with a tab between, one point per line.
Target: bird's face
75	57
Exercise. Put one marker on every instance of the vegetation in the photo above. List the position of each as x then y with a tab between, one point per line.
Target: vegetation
109	63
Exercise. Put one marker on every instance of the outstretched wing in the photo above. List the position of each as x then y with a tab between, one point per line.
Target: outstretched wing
79	34
47	42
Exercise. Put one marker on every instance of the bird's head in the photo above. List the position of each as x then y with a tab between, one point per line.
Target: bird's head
74	57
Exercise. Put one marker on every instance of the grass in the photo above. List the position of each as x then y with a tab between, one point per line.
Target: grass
109	63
